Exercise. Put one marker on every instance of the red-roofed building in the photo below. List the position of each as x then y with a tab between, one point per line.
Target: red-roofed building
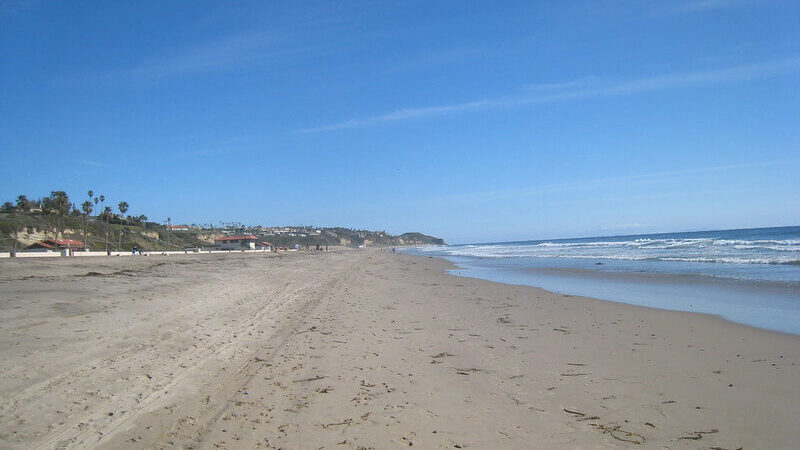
56	245
178	227
243	242
263	245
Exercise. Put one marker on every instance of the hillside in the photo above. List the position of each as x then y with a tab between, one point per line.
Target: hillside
420	239
18	230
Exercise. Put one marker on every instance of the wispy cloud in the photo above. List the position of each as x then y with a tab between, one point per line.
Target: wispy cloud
562	85
192	154
210	56
227	53
596	184
578	90
406	114
703	5
443	57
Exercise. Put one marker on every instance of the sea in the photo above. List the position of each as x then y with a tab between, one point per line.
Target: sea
748	276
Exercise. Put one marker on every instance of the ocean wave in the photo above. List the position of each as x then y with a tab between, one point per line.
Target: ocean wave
693	250
789	244
776	248
735	247
720	260
731	260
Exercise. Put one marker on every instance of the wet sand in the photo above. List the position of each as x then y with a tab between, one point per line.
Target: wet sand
367	349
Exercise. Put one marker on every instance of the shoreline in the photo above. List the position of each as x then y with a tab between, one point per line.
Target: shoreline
369	349
755	303
655	277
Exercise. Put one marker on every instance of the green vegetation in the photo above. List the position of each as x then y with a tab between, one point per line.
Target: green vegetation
26	221
312	236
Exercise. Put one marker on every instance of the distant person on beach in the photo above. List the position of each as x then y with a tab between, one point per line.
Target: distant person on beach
134	250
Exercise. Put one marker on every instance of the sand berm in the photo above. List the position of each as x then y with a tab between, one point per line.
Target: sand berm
367	349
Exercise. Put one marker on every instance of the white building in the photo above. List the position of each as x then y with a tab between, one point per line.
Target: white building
178	227
244	242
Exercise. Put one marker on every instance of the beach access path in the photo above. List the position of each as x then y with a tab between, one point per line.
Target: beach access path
367	349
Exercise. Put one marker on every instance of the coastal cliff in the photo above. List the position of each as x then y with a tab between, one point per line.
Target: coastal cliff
18	230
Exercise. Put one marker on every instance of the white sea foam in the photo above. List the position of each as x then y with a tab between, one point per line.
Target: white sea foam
697	250
750	276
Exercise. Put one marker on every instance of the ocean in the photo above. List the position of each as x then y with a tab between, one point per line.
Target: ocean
749	276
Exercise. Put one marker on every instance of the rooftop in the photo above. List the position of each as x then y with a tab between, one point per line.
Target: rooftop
238	238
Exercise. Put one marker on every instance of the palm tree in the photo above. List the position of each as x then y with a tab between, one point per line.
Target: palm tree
23	205
107	215
106	209
123	208
87	209
59	202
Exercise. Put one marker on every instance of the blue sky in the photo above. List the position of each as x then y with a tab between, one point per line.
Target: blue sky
473	121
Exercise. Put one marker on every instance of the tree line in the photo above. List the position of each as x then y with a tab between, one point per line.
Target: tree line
58	206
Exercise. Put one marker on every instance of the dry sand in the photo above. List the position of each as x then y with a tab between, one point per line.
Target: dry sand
367	349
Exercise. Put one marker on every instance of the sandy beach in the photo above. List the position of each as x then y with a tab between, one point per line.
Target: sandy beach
368	349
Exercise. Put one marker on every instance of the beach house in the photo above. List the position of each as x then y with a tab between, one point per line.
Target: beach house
266	246
52	245
244	242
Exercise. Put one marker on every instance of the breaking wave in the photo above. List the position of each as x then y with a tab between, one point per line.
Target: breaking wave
696	250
